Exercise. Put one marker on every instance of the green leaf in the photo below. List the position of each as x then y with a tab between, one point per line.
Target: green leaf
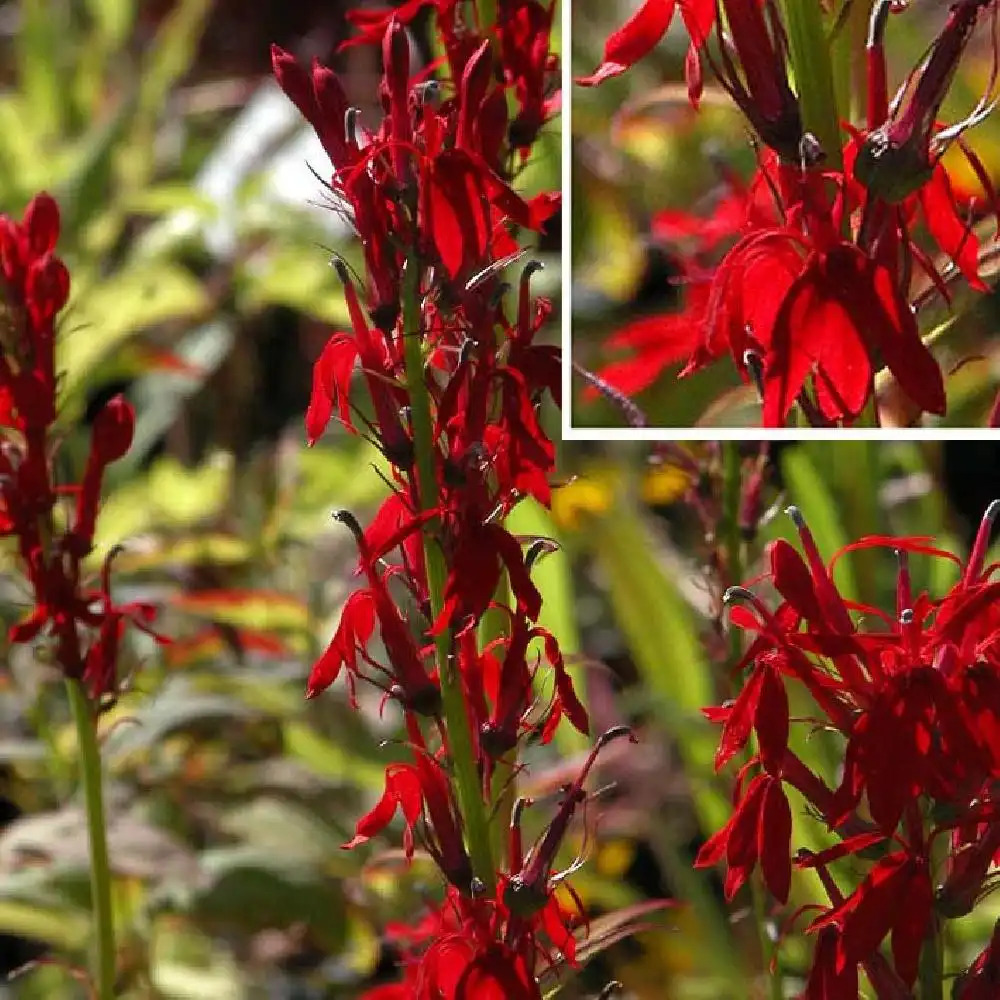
260	609
279	827
160	397
216	549
41	32
178	706
121	306
87	187
171	53
169	497
299	277
328	759
61	927
113	19
168	197
251	889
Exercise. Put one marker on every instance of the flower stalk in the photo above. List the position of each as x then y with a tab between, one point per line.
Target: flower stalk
932	964
100	868
453	705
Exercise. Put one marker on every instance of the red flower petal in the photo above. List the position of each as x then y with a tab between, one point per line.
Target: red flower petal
950	232
633	40
331	380
914	909
736	730
41	224
774	838
771	720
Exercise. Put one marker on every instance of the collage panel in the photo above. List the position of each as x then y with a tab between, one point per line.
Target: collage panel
784	215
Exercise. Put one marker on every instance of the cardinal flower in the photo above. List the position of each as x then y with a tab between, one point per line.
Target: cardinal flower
643	31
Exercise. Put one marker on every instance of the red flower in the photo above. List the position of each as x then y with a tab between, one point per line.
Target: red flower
895	899
644	29
761	90
510	685
838	313
915	698
110	440
813	299
760	829
421	790
406	676
35	288
898	154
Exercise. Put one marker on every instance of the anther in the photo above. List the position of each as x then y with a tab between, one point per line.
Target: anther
352	524
811	153
428	92
351	125
537	549
341	268
755	367
735	595
878	22
796	515
614	733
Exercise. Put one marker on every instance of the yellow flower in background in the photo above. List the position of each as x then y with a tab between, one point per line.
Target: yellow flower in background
665	484
589	494
592	492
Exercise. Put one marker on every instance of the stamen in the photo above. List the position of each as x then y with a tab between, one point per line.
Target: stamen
977	557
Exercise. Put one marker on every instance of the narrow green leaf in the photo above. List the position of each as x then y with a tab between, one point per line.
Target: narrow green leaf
113	20
328	759
810	56
39	52
62	928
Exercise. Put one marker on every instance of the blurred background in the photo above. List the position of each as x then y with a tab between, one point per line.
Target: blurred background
641	154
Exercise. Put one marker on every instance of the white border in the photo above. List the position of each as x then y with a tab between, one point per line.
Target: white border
570	433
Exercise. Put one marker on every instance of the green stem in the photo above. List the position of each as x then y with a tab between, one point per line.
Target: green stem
503	787
100	870
932	964
857	39
810	58
453	705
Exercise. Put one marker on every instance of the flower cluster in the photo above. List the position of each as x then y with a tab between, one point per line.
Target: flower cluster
913	698
810	276
455	381
82	621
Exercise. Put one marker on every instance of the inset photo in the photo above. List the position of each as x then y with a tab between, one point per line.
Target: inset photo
784	214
